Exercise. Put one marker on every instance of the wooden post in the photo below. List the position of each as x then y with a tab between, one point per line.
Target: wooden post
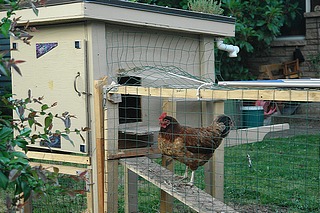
27	208
111	124
130	191
98	110
207	117
214	169
166	204
27	205
207	69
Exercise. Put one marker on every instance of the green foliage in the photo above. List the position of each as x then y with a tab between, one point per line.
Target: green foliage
30	125
181	4
206	6
9	27
314	63
16	134
257	24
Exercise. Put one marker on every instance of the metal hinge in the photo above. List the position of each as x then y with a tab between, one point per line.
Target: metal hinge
107	96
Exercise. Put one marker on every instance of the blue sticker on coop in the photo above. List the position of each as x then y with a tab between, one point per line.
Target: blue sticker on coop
44	48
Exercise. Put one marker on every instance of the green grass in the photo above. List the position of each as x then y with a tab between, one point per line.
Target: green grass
284	174
284	177
61	201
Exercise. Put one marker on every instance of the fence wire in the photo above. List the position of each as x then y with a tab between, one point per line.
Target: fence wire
271	157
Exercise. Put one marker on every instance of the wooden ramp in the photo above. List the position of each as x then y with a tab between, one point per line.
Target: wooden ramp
163	178
253	134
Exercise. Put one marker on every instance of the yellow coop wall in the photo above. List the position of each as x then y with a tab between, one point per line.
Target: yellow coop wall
53	74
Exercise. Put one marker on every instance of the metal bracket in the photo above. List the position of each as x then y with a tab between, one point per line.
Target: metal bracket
114	98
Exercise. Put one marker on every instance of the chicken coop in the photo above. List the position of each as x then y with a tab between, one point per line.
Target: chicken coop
78	43
118	65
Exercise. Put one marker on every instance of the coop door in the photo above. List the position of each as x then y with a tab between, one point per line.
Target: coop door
55	69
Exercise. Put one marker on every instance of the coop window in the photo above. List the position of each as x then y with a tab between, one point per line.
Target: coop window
130	107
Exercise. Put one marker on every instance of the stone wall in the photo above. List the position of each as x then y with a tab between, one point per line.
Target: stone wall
312	47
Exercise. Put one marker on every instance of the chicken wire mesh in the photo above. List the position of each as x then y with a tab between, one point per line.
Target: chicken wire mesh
270	159
68	199
281	172
144	134
160	58
270	164
68	194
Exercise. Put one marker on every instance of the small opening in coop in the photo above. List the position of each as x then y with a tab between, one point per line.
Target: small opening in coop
14	46
130	107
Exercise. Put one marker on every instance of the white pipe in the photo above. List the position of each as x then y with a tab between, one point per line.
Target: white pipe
232	50
202	85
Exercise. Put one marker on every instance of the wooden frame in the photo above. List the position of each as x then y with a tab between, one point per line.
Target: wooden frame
287	69
215	169
291	69
100	155
271	71
224	94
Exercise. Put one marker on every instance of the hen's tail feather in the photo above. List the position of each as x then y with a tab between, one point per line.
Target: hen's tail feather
227	122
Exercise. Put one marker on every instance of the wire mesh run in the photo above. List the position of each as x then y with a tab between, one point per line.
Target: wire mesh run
271	156
159	59
269	162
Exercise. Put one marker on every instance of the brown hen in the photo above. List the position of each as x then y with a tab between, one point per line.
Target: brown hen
191	146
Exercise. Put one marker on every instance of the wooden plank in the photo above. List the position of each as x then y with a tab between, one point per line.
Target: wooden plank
99	134
136	152
130	191
68	170
166	200
224	94
207	117
139	130
166	180
111	123
59	157
252	135
26	205
218	161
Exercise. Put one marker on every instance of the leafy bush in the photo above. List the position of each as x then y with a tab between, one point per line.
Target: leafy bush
206	6
257	24
16	134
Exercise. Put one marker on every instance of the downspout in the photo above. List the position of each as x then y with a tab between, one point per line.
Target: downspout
231	49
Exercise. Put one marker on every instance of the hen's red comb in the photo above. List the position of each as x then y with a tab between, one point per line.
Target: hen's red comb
163	115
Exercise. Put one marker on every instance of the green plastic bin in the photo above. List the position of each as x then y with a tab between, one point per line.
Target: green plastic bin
252	116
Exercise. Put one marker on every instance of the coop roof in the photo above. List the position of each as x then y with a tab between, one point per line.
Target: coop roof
133	14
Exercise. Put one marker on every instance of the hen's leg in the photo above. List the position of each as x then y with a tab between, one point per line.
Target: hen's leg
192	178
185	173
